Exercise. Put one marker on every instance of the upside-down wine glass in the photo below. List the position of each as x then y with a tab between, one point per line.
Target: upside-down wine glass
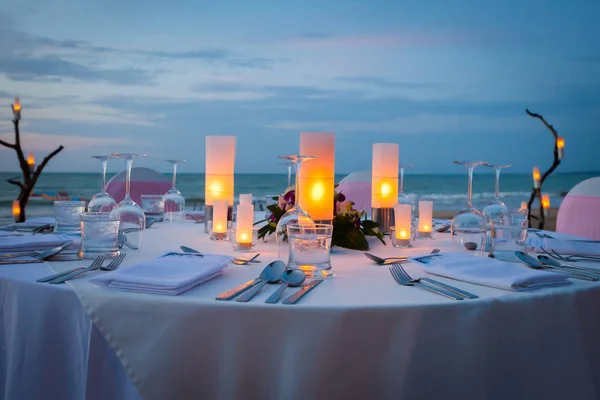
102	201
496	208
295	215
403	197
174	200
132	217
469	224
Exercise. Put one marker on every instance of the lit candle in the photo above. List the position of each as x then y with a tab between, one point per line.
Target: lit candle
16	209
244	225
545	201
384	175
425	216
220	164
536	178
31	161
220	208
246	199
524	205
17	109
316	183
560	144
403	216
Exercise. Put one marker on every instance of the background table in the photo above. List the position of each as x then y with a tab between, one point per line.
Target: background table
358	335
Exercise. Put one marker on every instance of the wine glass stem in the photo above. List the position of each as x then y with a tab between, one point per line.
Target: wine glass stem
128	164
104	162
497	172
174	174
296	188
289	168
470	187
401	180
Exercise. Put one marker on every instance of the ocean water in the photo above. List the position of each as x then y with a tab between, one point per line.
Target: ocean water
449	192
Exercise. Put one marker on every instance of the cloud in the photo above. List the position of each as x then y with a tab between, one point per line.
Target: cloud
42	142
388	83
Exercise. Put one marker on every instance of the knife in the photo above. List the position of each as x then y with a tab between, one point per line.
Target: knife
230	294
13	261
300	293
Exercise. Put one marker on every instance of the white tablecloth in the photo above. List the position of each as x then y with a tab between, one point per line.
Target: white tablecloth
358	335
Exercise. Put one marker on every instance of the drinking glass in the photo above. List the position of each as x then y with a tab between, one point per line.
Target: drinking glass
131	215
99	234
174	201
508	235
154	206
310	249
102	201
403	197
67	216
289	166
295	214
468	226
496	208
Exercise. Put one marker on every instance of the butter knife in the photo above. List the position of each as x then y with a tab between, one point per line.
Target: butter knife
230	294
300	293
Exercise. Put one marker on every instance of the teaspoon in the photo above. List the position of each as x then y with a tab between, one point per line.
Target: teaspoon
271	274
292	278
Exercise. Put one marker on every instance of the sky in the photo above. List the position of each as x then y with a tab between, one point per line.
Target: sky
446	79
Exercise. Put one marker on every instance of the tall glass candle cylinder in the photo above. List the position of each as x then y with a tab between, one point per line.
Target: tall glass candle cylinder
560	145
425	218
545	201
403	225
536	178
244	226
220	164
384	189
316	182
16	209
246	198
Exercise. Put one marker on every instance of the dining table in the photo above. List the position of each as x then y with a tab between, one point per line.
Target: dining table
358	335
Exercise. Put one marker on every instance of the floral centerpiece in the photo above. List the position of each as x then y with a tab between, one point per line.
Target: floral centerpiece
349	229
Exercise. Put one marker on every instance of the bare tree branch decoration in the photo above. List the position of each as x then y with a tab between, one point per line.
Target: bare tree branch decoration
537	192
29	177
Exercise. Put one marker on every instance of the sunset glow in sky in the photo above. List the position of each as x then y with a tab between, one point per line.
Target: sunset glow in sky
445	79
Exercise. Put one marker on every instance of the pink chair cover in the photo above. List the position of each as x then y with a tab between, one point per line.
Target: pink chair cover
357	192
579	212
143	181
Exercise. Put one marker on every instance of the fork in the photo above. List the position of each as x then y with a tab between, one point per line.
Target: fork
397	272
98	261
570	258
451	288
114	264
383	261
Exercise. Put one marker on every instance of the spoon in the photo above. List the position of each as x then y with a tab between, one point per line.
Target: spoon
382	261
38	255
551	262
271	274
537	264
291	277
243	261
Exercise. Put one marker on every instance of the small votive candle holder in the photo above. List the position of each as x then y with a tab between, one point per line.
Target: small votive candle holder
425	221
244	246
220	225
401	242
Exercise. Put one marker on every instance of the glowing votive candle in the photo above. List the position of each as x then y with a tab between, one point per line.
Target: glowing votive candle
16	209
244	229
425	218
401	234
246	198
545	202
17	109
219	221
316	183
384	175
536	178
31	161
560	145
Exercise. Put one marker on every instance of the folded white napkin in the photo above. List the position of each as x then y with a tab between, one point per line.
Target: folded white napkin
170	274
36	242
562	246
489	272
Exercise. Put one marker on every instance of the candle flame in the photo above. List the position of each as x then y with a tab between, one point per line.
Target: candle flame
536	173
216	187
560	142
386	189
318	191
403	234
426	227
546	200
219	228
30	159
17	104
16	208
244	237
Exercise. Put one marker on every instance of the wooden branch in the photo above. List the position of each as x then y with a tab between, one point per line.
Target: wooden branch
6	144
538	192
20	156
39	169
17	183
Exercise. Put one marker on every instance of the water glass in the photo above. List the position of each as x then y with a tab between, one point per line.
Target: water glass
99	234
310	249
154	206
508	236
67	216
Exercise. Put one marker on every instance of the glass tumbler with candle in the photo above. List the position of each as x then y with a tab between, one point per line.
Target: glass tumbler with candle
244	237
99	234
424	225
401	232
67	216
219	221
310	249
